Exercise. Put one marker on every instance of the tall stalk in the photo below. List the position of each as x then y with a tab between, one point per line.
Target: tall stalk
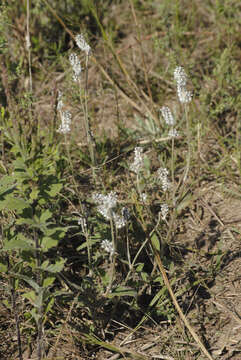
39	308
89	136
13	299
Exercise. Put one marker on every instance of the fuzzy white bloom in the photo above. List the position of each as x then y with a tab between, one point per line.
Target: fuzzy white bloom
76	66
143	197
82	44
184	95
180	76
164	211
108	247
167	116
82	223
119	221
162	174
106	205
66	118
173	133
138	160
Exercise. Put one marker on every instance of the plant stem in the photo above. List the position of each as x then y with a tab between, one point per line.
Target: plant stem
13	298
28	48
39	309
112	274
189	146
87	124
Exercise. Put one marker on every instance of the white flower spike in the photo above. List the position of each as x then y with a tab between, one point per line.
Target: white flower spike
82	44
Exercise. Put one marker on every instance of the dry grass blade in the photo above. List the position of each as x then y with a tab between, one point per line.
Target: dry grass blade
179	310
114	348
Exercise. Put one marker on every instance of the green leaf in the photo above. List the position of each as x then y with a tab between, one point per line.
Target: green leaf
2	112
139	267
45	216
85	244
19	242
59	231
155	242
49	305
122	291
48	243
28	280
7	184
3	268
48	281
34	194
144	276
30	295
35	315
13	203
44	265
54	189
23	221
39	298
186	201
7	304
53	268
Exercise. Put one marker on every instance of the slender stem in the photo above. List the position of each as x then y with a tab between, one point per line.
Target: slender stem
87	124
128	248
189	145
39	309
172	164
135	259
40	334
112	274
238	140
13	296
172	170
198	153
138	184
28	48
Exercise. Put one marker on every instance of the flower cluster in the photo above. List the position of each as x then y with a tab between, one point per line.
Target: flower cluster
108	247
65	116
76	66
82	223
173	133
169	120
167	116
143	197
180	76
163	177
106	205
82	44
138	160
164	211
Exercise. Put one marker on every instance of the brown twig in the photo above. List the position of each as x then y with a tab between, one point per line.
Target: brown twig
179	310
